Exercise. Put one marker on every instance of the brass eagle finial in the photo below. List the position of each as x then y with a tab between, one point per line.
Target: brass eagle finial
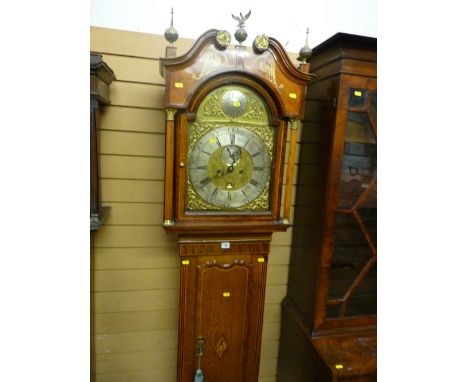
242	19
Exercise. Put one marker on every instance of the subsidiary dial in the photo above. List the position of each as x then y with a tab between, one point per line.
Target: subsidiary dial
234	103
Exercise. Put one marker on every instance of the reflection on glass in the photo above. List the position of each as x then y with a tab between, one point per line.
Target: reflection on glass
357	97
368	214
364	299
359	163
333	311
350	254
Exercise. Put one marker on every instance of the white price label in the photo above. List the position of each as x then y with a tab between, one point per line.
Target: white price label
225	245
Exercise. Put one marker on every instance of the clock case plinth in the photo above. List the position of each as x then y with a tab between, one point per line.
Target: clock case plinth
224	254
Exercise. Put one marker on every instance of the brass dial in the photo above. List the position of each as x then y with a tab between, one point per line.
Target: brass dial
229	167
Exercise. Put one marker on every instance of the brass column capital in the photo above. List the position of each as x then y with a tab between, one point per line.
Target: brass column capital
170	114
295	124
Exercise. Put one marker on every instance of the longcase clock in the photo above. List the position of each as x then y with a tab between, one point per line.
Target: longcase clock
229	113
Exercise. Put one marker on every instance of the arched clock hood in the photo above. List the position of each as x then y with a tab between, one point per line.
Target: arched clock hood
272	68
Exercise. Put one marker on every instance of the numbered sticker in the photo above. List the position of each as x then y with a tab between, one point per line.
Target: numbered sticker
225	245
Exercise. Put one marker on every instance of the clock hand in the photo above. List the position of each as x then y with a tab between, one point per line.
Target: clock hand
235	156
230	153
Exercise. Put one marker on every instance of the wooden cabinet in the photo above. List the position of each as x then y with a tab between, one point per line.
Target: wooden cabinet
331	305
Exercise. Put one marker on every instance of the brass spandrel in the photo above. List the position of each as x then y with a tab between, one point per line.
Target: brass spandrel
197	130
196	203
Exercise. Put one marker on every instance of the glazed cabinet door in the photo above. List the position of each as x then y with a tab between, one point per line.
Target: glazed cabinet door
221	305
352	250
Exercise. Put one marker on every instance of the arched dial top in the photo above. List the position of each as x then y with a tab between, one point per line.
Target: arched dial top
230	152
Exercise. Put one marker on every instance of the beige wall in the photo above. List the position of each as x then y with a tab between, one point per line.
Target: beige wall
134	262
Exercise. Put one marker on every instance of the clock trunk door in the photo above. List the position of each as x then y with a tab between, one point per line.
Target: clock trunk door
221	300
222	319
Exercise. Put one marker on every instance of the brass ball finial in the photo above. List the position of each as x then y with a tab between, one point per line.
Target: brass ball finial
171	34
305	53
